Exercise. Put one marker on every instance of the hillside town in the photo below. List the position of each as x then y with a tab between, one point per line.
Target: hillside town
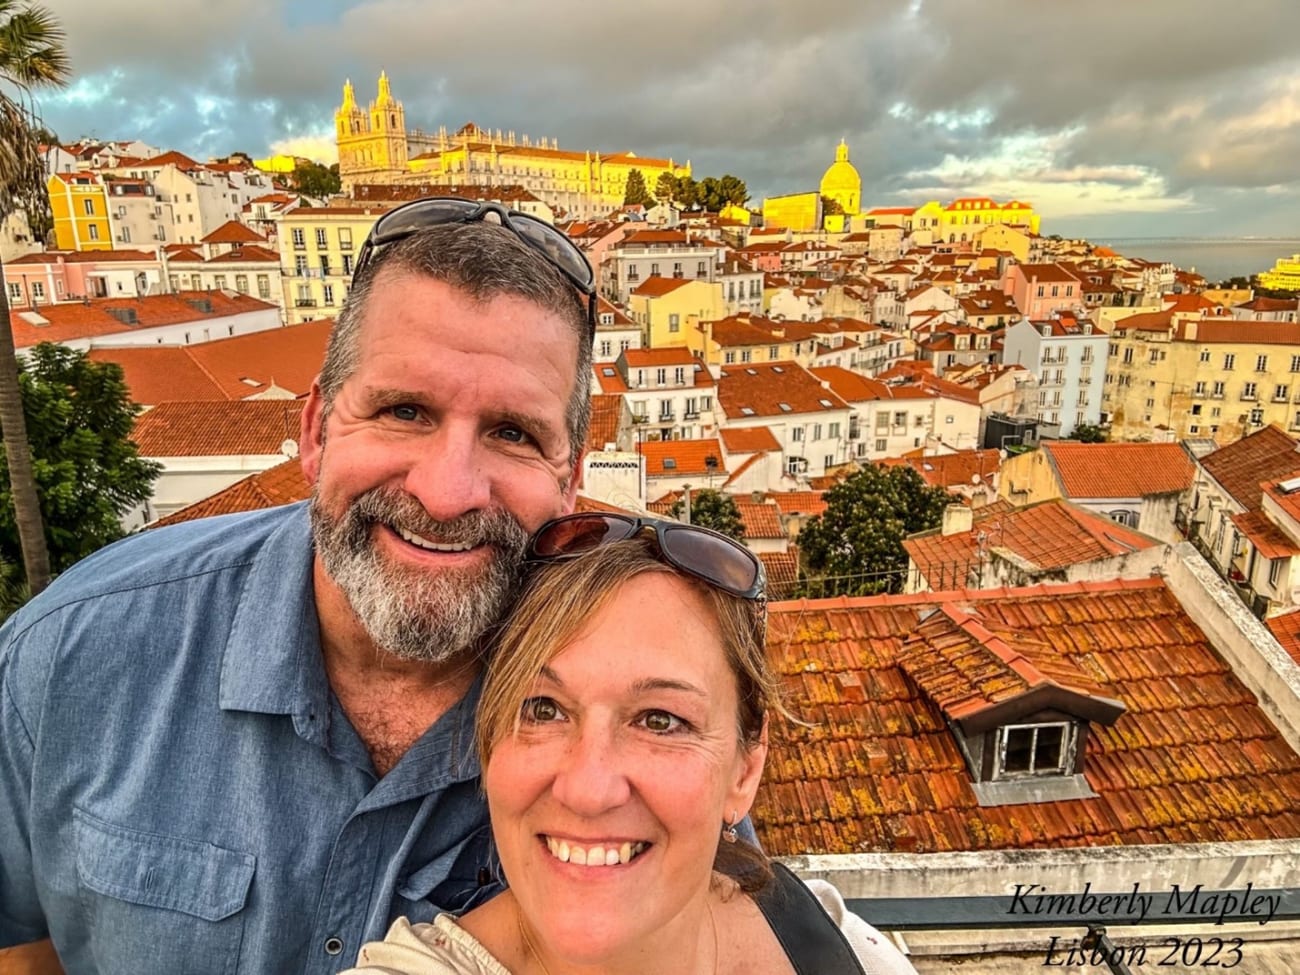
1090	657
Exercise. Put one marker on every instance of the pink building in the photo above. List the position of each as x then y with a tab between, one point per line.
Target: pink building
1041	289
54	276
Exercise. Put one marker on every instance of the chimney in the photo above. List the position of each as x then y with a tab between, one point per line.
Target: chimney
957	520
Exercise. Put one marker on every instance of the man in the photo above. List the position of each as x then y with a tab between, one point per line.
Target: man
243	744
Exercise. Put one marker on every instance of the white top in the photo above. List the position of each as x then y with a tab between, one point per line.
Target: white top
445	948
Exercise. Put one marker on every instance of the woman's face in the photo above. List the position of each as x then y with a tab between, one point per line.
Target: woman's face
608	805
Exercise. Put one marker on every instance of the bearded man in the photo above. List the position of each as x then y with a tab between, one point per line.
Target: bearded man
243	744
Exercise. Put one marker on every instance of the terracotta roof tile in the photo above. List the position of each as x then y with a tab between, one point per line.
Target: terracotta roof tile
1120	470
85	257
606	411
963	468
656	286
1269	540
217	428
233	232
73	320
673	355
1287	500
669	458
277	485
762	519
748	440
760	390
1240	467
799	502
1184	760
1285	628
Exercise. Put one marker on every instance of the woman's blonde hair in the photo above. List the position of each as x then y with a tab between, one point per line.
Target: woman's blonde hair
560	597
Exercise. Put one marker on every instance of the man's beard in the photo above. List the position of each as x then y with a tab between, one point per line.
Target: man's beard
426	615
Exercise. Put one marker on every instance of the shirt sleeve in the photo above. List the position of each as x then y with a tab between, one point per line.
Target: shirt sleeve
21	919
877	953
441	948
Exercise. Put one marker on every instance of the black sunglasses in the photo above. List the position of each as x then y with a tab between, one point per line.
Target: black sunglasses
700	552
410	218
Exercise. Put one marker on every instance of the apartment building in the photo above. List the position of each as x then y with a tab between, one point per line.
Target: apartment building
1068	355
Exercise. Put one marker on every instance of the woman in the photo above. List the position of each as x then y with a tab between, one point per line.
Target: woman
623	733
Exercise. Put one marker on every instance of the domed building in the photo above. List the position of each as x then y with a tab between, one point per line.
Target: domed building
842	182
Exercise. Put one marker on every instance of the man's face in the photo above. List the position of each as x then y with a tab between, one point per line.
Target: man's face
444	450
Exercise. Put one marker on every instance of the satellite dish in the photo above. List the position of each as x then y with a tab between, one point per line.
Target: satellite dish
289	448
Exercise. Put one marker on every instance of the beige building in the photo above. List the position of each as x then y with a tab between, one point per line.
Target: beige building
318	248
1211	377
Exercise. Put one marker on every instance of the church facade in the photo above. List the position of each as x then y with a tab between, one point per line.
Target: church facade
375	146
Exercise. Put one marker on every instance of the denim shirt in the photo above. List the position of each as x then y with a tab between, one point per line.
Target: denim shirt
179	788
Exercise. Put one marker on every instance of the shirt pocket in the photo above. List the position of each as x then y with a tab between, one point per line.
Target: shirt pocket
160	903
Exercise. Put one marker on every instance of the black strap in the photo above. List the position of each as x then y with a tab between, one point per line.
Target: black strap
812	940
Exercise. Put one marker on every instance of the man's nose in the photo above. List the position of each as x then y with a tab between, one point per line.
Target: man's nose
449	475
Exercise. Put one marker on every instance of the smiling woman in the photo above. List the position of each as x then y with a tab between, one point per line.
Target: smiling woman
623	733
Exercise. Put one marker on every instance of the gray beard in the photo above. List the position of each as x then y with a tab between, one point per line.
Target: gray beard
421	616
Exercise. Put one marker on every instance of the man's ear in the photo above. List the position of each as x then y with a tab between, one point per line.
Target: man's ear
570	498
311	436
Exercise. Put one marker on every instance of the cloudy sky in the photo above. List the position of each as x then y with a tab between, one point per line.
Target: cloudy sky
1114	117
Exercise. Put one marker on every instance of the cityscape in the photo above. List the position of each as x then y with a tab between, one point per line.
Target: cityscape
1026	491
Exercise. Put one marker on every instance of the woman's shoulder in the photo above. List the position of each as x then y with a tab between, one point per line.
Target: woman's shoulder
440	948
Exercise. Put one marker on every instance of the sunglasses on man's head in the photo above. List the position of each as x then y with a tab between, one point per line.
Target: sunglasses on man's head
410	218
700	552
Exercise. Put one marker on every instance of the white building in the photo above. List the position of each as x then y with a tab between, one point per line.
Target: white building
1069	357
661	253
671	392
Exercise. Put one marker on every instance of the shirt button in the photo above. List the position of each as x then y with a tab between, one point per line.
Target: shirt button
333	946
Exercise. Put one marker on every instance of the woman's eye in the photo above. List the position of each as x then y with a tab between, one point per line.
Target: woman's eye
661	722
540	709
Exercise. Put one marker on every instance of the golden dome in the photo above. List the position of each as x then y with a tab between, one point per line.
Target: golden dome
842	183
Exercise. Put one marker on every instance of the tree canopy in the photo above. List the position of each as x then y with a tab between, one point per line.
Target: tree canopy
88	472
714	194
855	547
712	509
316	180
1088	433
636	191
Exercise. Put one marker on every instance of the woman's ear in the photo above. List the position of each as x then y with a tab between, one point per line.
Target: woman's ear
749	773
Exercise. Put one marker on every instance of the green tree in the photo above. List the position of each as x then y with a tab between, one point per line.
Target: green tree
79	417
32	56
855	547
714	194
1088	433
666	189
712	509
636	191
830	206
317	180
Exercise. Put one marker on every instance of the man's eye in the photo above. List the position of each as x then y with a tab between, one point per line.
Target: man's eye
512	435
661	722
540	709
405	412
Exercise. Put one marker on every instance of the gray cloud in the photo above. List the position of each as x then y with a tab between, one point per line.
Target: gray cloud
1184	98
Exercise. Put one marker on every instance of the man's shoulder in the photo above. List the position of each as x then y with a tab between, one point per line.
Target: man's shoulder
158	557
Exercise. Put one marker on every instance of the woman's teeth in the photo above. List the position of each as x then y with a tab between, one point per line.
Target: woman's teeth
599	855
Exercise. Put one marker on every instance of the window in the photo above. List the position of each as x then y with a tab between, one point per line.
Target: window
679	375
1200	388
1274	571
1041	291
1229	360
196	283
347	263
1280	392
1055	291
94	231
881	445
1261	363
1128	356
828	461
1295	363
674	323
300	265
795	465
833	431
299	238
1205	355
89	207
1218	390
1196	409
321	240
796	434
38	289
817	431
900	419
263	286
654	269
126	235
1248	391
173	282
219	282
329	294
882	423
677	269
701	270
345	239
15	291
746	355
772	353
729	358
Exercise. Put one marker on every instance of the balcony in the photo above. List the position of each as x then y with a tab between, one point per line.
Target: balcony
305	303
691	415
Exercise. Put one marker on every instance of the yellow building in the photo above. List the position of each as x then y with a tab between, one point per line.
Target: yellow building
842	183
375	146
1211	377
318	248
1285	275
963	219
280	164
800	212
670	309
80	207
1001	237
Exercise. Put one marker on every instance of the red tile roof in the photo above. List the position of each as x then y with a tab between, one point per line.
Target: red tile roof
1288	501
1285	628
177	159
241	254
1046	272
1192	759
1269	540
84	257
281	484
206	429
606	410
1240	467
762	519
227	369
233	232
1230	331
1048	535
656	286
1120	470
961	469
748	440
687	457
799	502
74	320
782	570
761	390
672	355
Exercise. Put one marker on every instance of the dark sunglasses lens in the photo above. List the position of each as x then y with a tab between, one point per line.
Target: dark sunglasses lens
713	559
563	253
573	536
427	213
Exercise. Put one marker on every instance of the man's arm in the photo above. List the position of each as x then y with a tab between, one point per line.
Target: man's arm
37	958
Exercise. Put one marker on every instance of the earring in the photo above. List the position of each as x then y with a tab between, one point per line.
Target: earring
729	831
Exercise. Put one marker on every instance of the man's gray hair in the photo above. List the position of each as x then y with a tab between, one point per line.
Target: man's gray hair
484	261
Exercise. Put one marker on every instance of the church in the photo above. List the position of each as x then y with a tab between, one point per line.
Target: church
375	146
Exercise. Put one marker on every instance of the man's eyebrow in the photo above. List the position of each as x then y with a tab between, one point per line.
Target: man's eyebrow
389	395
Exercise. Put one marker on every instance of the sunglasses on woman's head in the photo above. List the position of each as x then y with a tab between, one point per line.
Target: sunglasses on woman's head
700	552
410	218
